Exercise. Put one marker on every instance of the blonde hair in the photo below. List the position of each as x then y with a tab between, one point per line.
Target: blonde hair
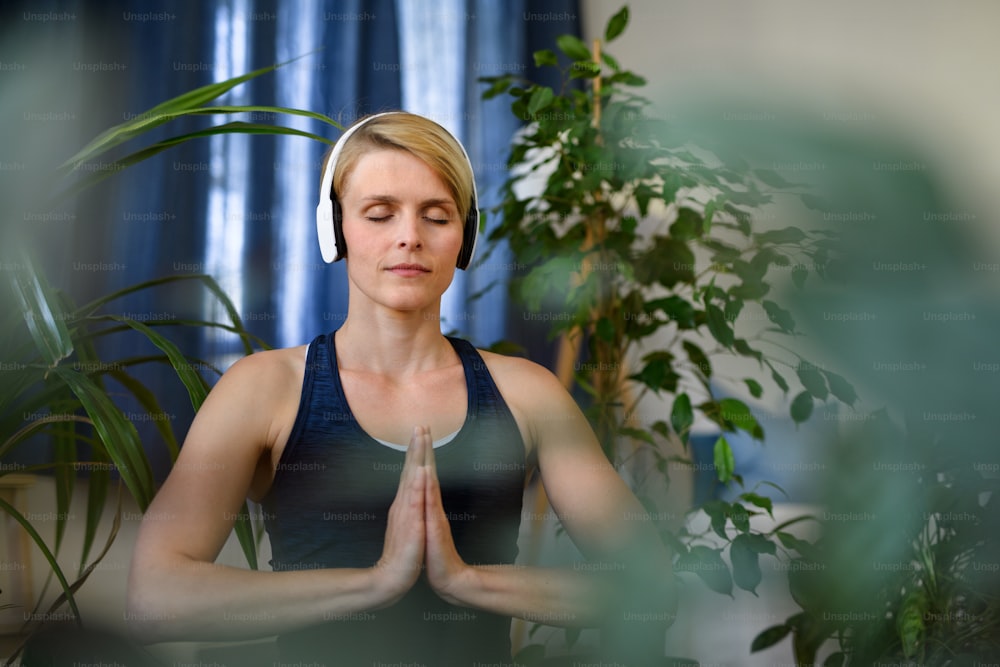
419	136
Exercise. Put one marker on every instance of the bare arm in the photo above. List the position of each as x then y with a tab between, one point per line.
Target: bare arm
177	592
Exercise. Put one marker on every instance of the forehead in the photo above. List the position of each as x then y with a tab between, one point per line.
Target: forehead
391	171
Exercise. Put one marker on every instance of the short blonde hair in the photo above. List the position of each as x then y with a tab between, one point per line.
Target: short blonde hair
419	136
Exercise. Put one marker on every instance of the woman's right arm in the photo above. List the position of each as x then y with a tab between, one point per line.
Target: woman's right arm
176	592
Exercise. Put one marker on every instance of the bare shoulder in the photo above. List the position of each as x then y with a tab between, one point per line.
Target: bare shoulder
281	365
532	380
259	390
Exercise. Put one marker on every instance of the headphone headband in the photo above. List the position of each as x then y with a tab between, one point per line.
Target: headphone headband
329	217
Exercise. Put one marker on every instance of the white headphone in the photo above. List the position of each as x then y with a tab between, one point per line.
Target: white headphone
329	217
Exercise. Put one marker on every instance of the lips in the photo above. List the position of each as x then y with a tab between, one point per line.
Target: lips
407	269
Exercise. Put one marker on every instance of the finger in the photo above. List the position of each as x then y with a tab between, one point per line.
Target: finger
429	460
411	461
433	503
420	442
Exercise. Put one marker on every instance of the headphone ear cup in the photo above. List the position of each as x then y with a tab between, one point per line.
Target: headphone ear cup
338	228
469	236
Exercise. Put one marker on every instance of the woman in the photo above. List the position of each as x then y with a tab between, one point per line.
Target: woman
388	459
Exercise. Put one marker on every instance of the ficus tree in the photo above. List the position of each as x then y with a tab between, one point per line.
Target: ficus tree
647	248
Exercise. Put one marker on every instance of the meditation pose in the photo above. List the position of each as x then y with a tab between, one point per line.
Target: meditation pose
388	459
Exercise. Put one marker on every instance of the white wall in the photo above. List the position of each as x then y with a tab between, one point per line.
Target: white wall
923	68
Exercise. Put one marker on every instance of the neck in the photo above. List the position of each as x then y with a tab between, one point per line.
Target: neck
392	342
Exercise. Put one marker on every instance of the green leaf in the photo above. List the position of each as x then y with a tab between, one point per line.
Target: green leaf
743	347
841	388
781	236
770	637
779	380
117	434
802	407
545	57
46	553
64	456
194	383
722	457
698	358
540	98
658	374
751	289
676	308
910	621
165	111
754	387
584	69
735	413
616	24
813	381
740	517
637	434
244	534
718	512
498	86
799	275
573	47
688	224
682	416
718	326
149	401
779	316
628	79
707	563
746	564
805	549
42	312
210	284
671	184
237	127
760	501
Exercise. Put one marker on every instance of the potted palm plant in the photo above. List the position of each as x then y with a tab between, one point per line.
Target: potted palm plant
59	357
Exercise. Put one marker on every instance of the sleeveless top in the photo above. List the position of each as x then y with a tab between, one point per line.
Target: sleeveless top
330	498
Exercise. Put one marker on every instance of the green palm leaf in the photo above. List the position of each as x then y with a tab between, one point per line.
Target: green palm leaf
162	113
238	127
46	553
117	434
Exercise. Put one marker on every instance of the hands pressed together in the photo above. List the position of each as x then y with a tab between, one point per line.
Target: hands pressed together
418	535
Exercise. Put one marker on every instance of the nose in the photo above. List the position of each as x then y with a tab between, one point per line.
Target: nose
409	232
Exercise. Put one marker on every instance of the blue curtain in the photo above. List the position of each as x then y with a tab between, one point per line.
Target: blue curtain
241	208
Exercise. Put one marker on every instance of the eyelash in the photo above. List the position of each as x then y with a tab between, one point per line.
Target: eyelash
439	221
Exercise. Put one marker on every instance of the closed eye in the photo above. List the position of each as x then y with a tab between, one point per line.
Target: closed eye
439	221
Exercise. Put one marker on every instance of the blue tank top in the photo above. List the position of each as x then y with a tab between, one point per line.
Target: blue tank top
328	504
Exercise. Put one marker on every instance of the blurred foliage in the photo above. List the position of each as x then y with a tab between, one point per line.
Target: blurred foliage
907	567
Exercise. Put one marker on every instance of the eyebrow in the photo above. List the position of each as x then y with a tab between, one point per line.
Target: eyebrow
390	199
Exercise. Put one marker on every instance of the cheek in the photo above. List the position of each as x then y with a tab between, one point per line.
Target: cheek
454	239
360	241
